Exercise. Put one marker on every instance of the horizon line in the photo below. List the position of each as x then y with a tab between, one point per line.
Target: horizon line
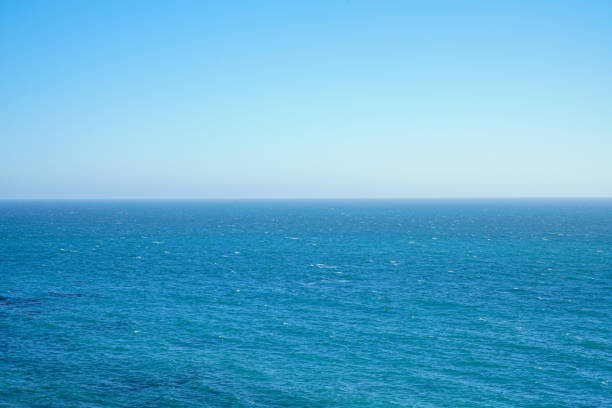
303	198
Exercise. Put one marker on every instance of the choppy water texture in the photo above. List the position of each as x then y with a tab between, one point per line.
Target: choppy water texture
306	304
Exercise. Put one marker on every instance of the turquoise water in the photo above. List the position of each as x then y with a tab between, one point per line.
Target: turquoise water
469	303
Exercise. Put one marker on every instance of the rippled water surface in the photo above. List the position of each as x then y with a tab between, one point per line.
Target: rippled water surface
306	303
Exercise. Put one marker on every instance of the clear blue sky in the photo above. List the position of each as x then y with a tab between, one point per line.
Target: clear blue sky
305	99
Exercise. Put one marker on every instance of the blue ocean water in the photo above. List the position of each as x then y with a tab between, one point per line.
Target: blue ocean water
424	303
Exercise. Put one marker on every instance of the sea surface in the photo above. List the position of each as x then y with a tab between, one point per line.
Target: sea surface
416	303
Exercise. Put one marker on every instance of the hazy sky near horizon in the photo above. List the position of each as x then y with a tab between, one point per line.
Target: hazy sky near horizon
136	99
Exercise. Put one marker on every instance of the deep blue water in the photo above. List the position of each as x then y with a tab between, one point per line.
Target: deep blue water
473	303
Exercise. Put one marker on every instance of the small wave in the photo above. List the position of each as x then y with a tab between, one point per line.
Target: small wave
323	266
60	294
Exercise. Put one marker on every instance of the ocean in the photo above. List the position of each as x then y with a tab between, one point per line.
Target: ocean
306	303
